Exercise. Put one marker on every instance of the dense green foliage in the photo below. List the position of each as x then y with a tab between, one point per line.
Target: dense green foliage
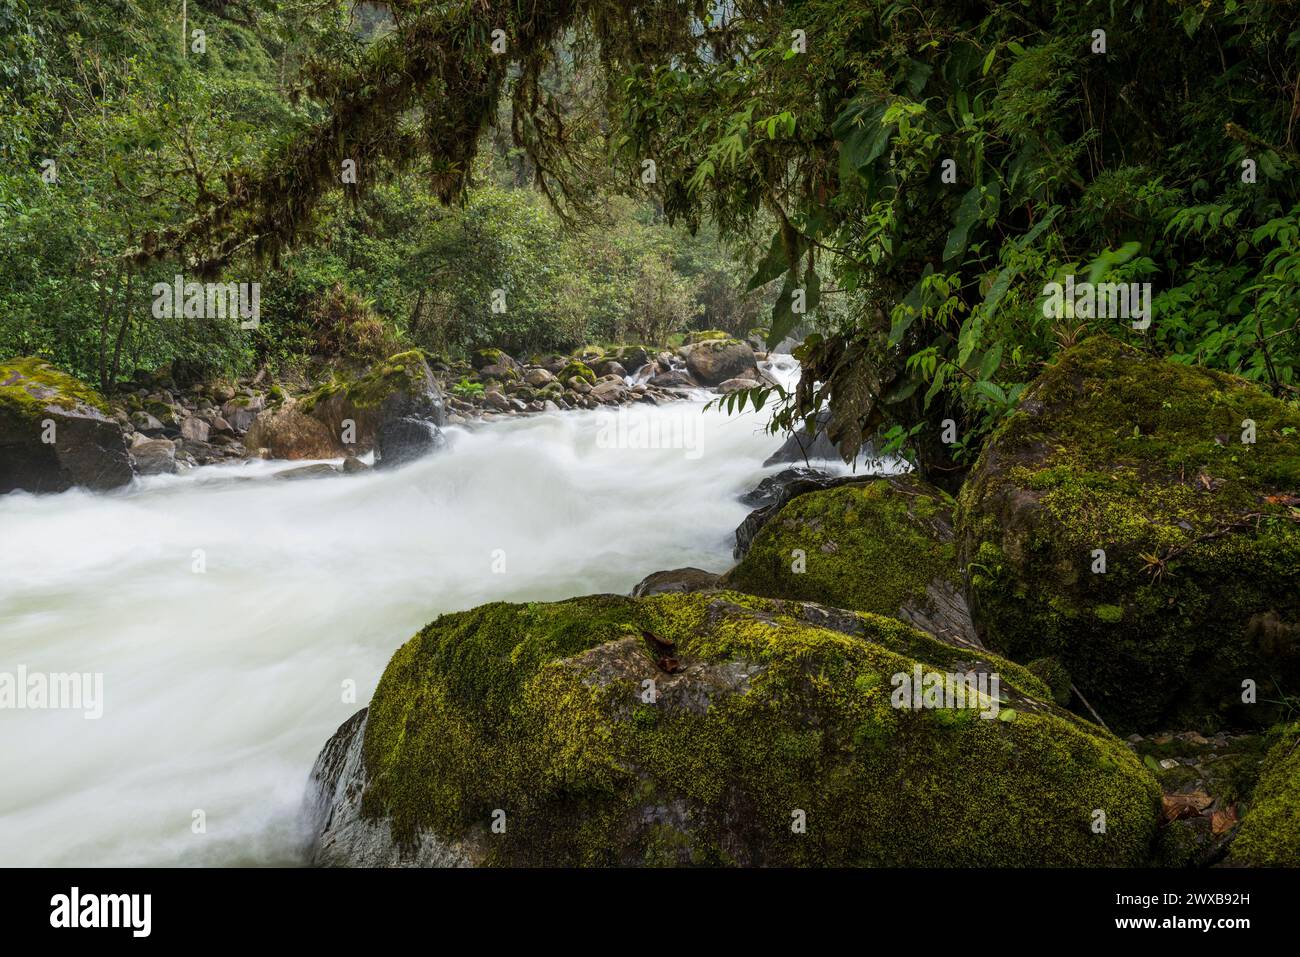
143	137
907	179
1122	165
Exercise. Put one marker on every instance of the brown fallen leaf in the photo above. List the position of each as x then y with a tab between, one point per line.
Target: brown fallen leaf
1177	806
1224	819
670	665
663	644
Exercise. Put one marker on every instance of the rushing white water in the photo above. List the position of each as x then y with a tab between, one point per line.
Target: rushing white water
220	686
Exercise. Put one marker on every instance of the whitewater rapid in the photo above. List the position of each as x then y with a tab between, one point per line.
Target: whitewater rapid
228	611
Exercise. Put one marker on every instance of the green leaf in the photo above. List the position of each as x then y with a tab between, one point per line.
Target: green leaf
812	290
911	309
783	317
968	213
992	391
776	262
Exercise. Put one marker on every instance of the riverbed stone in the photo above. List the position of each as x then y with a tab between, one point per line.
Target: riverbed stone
56	432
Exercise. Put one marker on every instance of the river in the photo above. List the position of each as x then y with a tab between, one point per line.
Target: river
230	612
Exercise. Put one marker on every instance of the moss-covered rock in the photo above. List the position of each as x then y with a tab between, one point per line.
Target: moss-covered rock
704	335
1142	459
1055	675
882	545
579	369
483	358
714	361
631	357
396	409
55	432
1270	831
541	719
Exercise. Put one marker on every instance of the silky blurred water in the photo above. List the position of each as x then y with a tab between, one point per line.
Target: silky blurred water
221	686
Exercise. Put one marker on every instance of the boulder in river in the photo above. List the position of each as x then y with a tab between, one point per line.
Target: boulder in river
675	580
769	490
803	446
395	408
714	361
1139	519
884	545
289	433
154	456
713	729
56	432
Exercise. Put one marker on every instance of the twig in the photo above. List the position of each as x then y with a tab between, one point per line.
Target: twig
1090	708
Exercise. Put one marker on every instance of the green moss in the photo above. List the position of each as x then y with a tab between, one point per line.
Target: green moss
705	335
29	386
869	547
536	710
403	373
1053	674
1109	613
489	357
1143	459
576	368
1270	831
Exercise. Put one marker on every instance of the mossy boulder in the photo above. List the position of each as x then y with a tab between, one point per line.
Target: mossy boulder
56	432
396	409
1142	459
631	357
576	369
704	335
883	545
1270	831
714	361
484	358
714	729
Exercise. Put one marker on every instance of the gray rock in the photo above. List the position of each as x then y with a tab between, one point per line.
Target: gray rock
342	836
194	429
676	580
154	457
144	422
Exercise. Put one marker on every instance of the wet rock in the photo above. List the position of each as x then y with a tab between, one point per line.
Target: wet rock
56	432
154	457
676	580
744	696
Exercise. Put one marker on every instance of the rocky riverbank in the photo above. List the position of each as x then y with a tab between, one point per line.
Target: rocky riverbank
393	410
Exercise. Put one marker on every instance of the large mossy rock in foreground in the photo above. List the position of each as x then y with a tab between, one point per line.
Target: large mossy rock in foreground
1270	832
395	408
766	713
1142	459
883	545
55	432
